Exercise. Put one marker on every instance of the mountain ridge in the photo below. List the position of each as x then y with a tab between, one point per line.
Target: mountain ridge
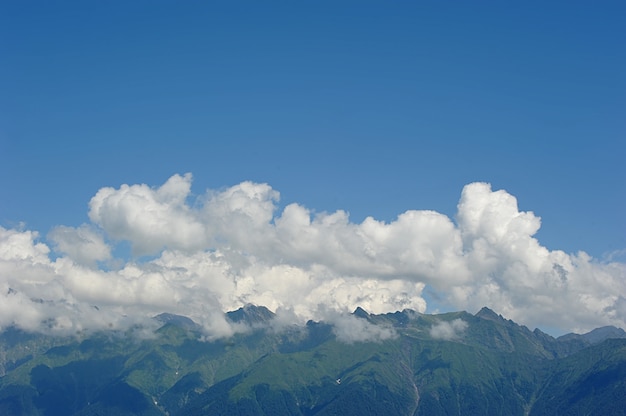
422	364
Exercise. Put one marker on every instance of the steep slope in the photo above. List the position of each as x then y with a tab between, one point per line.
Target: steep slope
591	381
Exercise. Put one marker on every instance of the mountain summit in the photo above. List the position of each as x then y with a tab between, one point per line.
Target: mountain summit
251	314
486	313
596	336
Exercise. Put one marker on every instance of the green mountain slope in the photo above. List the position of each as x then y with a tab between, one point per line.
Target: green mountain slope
454	363
591	381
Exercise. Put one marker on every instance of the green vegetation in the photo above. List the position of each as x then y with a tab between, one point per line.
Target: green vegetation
489	366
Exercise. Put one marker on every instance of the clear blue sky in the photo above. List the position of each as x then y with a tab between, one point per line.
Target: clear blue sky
370	107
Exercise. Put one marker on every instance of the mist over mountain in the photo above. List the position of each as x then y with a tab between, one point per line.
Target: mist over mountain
200	255
401	363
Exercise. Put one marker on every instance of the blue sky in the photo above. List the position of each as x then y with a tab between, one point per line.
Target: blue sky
374	108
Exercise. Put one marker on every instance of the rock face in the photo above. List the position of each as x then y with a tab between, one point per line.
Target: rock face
453	363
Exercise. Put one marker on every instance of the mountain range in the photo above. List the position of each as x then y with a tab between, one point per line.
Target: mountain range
402	363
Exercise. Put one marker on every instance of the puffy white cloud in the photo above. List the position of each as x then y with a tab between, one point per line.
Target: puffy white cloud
448	330
225	248
19	246
150	218
84	245
525	281
248	204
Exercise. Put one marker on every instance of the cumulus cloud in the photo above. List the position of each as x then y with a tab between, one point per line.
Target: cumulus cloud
83	244
448	330
229	247
150	219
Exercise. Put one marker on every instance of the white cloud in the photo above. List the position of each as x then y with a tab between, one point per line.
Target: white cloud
17	246
448	330
524	281
230	247
150	218
350	329
83	245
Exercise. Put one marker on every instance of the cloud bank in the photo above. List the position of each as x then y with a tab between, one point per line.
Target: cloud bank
234	246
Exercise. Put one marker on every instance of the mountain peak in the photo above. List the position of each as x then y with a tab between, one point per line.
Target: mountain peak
600	334
595	336
486	313
361	313
178	320
250	314
542	335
